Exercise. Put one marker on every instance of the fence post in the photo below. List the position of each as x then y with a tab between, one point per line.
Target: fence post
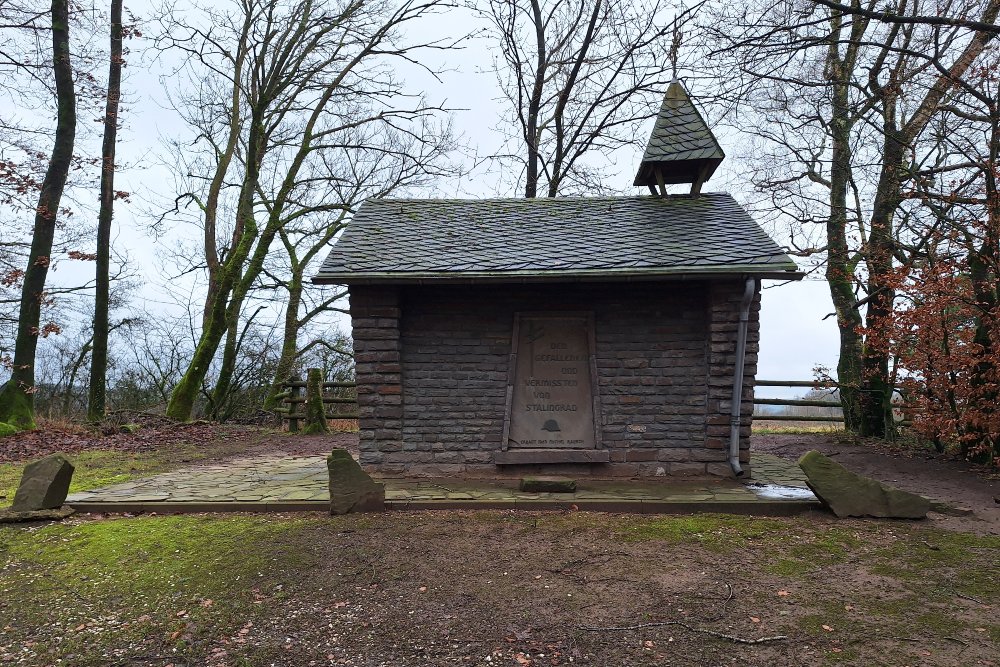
315	412
294	392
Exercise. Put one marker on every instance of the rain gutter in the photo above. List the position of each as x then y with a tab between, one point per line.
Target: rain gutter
741	356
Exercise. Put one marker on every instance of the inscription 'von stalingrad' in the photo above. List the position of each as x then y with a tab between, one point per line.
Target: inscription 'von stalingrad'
552	401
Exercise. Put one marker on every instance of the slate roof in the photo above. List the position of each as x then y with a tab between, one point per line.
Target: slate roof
681	145
566	238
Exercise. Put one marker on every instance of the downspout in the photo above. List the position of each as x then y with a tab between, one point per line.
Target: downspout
741	356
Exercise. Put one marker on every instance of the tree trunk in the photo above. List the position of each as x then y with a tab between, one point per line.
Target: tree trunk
97	398
289	343
532	133
876	389
220	393
17	394
74	371
840	266
227	299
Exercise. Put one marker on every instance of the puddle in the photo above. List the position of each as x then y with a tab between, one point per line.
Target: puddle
779	492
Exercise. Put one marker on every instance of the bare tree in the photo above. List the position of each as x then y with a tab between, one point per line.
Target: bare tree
102	292
579	77
376	162
839	104
16	400
283	84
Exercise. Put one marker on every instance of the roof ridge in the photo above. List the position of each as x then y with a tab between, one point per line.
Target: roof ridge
644	197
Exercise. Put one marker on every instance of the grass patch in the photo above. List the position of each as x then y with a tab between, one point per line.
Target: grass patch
947	555
173	580
716	532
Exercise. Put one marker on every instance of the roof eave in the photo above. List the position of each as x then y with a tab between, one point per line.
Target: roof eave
777	272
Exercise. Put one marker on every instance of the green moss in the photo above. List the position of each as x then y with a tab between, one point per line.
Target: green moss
719	533
315	408
7	429
787	567
16	407
141	578
924	551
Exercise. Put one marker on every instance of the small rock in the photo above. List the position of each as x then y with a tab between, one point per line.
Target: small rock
351	488
849	494
44	484
548	485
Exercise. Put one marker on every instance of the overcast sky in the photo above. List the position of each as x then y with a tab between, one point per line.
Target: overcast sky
794	335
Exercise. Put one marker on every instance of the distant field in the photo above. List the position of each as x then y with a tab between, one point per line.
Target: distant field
771	426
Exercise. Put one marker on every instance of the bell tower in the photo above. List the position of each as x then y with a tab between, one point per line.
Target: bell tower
681	148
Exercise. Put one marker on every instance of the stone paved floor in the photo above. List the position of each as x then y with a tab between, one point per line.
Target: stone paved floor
268	479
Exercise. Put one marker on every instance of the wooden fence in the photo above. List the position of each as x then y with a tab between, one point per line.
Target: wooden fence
809	403
337	396
798	402
340	395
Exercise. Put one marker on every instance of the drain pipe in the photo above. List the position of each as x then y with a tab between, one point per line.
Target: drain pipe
741	355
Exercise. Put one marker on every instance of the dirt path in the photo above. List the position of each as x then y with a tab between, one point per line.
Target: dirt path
954	482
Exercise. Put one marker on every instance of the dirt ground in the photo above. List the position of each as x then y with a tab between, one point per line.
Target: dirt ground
511	589
939	477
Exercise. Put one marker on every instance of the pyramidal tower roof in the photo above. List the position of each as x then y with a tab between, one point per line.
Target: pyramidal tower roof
681	148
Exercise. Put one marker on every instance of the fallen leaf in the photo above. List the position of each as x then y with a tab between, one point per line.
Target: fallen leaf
523	660
754	619
423	589
82	626
849	607
648	644
837	650
207	603
782	594
828	628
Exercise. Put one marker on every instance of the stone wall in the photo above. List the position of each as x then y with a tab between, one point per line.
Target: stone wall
433	361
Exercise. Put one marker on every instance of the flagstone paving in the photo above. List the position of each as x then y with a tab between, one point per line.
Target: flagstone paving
270	482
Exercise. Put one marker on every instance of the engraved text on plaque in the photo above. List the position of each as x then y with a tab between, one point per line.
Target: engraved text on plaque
552	394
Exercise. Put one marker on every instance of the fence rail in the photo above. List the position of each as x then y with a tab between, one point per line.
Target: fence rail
292	397
799	402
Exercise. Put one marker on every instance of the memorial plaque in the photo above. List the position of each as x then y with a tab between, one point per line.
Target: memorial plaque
551	397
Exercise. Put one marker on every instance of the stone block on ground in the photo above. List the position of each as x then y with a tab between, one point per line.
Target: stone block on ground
44	484
548	485
351	488
850	494
10	516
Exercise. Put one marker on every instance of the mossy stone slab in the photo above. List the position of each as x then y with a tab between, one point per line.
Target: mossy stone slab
351	488
849	494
